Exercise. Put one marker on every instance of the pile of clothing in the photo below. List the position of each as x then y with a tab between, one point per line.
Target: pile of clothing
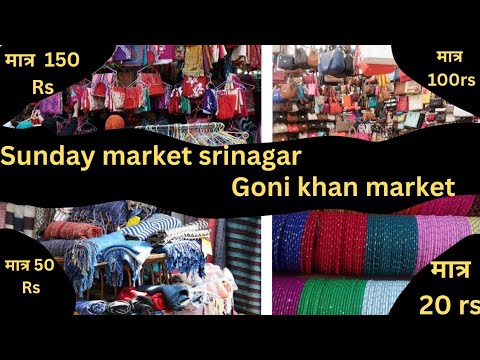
189	295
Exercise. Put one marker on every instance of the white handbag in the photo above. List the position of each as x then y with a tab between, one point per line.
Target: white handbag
457	112
294	108
303	135
412	87
415	102
450	118
311	116
377	54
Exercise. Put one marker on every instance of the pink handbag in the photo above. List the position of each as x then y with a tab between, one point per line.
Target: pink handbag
313	87
402	104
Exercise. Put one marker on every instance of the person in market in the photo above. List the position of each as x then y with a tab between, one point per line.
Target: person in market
51	123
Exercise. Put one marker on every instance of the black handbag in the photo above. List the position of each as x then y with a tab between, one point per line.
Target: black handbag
301	58
349	70
286	62
436	103
440	117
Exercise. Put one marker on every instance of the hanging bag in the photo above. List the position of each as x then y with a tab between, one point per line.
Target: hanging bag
313	58
301	58
415	102
335	107
413	120
289	90
402	104
286	62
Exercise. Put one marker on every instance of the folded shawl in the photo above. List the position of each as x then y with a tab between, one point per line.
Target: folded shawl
119	307
185	256
58	247
141	307
114	249
95	307
151	226
116	213
72	231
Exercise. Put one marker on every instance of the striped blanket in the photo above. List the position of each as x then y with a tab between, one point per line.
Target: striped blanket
243	238
19	217
71	231
150	226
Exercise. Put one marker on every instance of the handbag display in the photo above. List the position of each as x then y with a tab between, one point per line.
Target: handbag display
332	62
303	126
286	62
313	58
277	97
301	58
372	101
435	103
334	105
277	49
374	60
309	78
347	100
342	126
331	79
312	90
412	87
292	117
399	88
414	120
279	128
293	128
450	118
279	76
303	135
288	91
415	102
425	99
280	137
457	112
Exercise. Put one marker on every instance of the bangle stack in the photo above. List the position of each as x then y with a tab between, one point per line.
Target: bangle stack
347	243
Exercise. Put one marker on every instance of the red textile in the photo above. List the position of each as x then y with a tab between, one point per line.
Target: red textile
129	293
132	98
158	302
72	231
226	106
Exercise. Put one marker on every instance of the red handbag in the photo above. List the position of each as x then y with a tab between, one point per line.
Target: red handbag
402	104
335	107
278	76
430	117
